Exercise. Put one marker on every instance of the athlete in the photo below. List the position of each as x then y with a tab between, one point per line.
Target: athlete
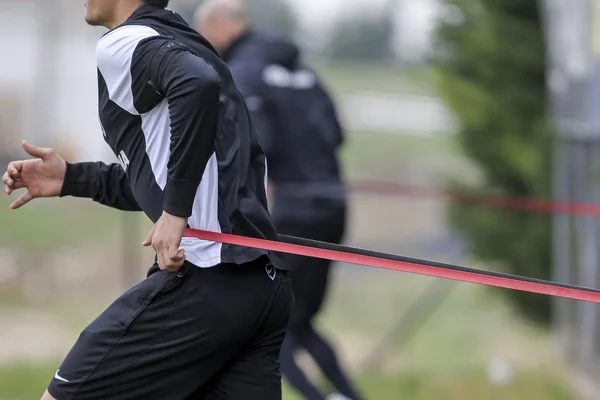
298	127
209	320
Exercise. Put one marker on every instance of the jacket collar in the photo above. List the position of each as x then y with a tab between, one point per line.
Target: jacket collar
142	10
235	45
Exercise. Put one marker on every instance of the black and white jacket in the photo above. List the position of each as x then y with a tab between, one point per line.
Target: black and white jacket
172	115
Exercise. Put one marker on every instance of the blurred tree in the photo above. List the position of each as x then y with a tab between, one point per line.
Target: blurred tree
491	60
362	36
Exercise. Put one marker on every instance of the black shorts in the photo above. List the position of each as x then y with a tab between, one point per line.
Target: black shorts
211	333
310	276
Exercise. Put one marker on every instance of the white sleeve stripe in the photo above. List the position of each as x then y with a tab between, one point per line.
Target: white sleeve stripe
114	55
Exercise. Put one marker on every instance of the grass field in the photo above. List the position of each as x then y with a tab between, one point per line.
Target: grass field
373	78
448	357
24	382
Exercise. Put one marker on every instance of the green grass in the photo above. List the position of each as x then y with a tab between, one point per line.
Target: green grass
388	156
455	387
45	224
28	381
358	77
25	381
470	327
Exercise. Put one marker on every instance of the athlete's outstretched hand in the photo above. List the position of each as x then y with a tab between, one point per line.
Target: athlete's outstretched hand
42	176
165	238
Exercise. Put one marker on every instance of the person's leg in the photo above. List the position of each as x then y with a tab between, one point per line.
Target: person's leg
306	304
324	355
254	373
310	278
102	351
293	374
310	282
165	337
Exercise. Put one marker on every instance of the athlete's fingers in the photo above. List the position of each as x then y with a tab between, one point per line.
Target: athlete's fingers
161	261
173	267
167	264
170	264
177	266
13	170
6	179
21	201
15	167
12	186
39	152
148	241
18	184
8	183
174	258
175	254
178	260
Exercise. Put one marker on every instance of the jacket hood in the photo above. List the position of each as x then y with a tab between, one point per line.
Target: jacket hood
273	47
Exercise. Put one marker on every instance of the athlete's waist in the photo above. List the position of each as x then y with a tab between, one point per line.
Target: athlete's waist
208	254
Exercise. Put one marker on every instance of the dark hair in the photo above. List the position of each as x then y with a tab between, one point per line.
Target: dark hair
157	3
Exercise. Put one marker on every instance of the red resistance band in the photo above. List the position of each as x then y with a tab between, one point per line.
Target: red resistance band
350	255
516	203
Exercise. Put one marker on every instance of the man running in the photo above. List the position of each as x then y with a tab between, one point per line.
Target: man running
299	130
209	320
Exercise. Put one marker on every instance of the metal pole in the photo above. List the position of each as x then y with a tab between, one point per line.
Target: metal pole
586	263
561	234
594	179
567	26
561	244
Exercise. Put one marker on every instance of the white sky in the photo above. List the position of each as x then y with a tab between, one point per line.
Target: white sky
416	18
319	12
324	9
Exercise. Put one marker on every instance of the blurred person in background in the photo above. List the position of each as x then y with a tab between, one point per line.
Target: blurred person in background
209	320
299	130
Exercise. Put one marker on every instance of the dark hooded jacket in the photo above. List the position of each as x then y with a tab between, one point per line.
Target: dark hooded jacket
296	122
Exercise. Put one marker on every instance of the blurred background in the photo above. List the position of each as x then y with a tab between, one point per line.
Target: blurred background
472	96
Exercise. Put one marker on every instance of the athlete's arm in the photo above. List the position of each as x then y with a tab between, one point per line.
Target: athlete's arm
192	88
105	184
48	175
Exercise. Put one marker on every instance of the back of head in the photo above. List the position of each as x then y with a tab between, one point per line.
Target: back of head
232	9
222	21
157	3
